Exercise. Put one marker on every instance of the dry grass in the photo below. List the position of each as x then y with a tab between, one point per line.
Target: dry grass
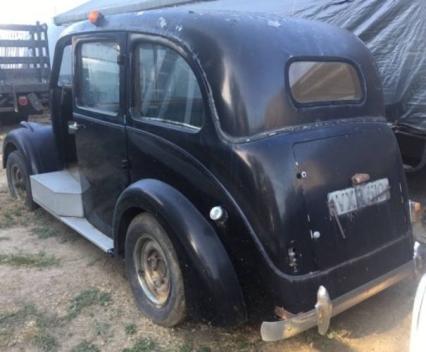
87	298
39	260
33	324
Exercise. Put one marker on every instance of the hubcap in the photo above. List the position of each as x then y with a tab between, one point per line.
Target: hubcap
18	182
152	269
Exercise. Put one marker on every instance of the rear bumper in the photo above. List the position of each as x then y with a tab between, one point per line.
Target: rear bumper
325	308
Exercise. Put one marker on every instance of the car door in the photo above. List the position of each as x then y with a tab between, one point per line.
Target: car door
98	124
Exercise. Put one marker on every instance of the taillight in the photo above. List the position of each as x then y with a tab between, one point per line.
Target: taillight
23	100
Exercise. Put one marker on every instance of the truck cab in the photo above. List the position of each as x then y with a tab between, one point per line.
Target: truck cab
237	162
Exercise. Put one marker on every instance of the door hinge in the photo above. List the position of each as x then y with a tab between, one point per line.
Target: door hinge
125	163
121	59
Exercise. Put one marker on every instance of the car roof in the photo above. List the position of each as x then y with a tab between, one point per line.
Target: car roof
244	54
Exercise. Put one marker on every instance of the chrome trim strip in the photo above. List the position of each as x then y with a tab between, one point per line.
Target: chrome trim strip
283	329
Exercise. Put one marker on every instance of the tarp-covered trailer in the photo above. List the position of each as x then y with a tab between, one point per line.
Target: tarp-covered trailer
395	33
24	70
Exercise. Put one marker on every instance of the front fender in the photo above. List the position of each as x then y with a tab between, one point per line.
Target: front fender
36	142
203	250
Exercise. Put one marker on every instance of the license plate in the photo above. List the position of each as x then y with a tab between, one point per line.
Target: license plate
352	199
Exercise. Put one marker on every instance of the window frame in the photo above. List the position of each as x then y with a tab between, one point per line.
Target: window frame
71	58
99	114
57	61
330	103
136	41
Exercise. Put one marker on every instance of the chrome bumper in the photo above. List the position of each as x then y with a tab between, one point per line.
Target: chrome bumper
325	308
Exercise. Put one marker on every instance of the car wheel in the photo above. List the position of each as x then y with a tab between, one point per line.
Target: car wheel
154	272
18	179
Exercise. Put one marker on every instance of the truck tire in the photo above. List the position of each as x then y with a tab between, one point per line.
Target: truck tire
18	179
154	272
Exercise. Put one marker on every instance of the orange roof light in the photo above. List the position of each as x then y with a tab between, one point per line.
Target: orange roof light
95	17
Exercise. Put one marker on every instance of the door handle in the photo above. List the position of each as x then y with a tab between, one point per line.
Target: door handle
73	127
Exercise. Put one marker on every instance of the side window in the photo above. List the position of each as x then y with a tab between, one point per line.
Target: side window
166	89
99	77
65	72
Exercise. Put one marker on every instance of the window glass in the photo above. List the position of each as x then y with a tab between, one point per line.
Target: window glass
99	77
321	82
65	72
166	88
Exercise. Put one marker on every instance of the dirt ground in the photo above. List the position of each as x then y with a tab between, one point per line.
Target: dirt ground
58	292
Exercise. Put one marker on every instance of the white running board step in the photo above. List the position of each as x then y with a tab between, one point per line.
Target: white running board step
88	231
59	192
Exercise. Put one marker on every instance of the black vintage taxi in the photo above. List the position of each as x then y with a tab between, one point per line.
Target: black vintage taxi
238	162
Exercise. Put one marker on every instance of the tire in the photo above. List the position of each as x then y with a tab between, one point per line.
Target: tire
18	179
154	272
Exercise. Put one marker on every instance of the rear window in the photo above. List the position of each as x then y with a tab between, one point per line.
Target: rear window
322	82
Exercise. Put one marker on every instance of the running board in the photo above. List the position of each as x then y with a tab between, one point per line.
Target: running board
88	231
60	194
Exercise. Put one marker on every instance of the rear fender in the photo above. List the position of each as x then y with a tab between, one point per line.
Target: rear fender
36	142
206	262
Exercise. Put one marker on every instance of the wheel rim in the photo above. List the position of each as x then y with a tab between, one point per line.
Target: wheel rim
18	182
152	270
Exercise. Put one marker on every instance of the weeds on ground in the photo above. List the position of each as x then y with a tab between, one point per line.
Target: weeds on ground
14	213
148	345
45	226
204	349
36	326
130	329
102	328
11	215
188	347
39	260
87	298
243	344
13	323
85	347
44	232
46	342
143	345
185	348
